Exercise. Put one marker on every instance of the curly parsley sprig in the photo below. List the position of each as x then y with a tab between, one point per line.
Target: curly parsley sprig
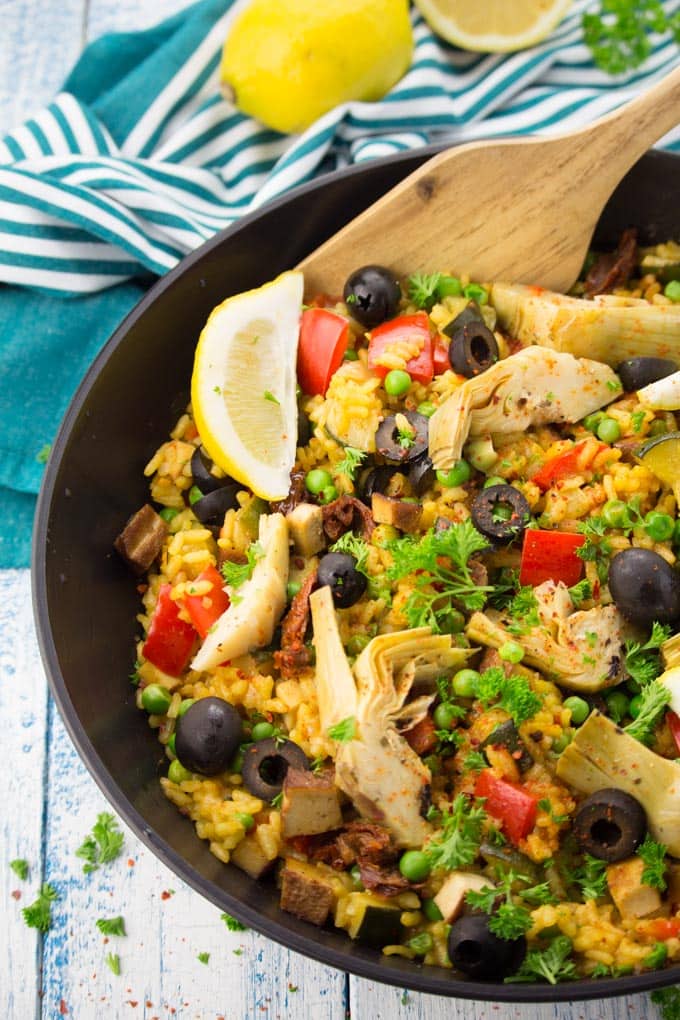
458	843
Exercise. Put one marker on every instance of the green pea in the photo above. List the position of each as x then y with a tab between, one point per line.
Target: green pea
510	651
350	355
414	865
444	717
397	382
591	421
156	699
317	480
167	513
672	290
561	742
465	683
658	427
171	743
194	495
659	526
617	705
426	408
449	286
292	588
177	773
580	709
327	494
357	643
635	706
421	944
614	513
494	480
262	731
474	292
246	820
184	706
608	430
460	472
432	911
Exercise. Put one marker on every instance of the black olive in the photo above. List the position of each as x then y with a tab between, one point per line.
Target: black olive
473	349
477	952
211	509
610	825
265	764
500	512
203	477
208	736
339	572
635	373
421	474
471	313
376	480
387	438
372	295
644	587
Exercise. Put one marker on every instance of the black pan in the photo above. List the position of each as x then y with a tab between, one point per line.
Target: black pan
85	599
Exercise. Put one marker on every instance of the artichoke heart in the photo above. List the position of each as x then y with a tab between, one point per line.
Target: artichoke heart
532	387
385	779
609	328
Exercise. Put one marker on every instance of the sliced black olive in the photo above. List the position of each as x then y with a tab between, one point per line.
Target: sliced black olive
644	587
203	477
211	509
507	735
500	512
473	349
376	480
470	314
339	572
401	449
477	952
265	764
208	736
635	373
372	295
610	825
421	474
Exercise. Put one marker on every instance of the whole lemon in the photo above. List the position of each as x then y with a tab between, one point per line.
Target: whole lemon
287	62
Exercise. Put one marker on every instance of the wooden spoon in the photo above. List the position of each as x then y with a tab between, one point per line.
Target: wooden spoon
520	210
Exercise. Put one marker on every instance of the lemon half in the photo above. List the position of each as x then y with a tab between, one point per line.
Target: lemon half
493	26
243	385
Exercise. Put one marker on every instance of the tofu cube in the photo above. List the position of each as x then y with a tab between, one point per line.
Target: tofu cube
310	803
305	527
631	895
306	892
451	897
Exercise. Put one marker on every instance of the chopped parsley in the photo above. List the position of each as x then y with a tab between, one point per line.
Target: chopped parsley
637	419
657	957
510	918
425	289
553	964
654	857
406	438
268	395
458	843
438	564
619	35
344	731
39	913
277	801
102	845
591	877
352	460
643	663
354	546
203	957
545	805
236	574
653	701
614	385
523	608
232	924
474	761
581	592
20	868
112	961
111	926
512	693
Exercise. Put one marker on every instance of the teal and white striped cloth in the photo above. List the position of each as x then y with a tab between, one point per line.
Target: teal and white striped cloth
139	160
134	170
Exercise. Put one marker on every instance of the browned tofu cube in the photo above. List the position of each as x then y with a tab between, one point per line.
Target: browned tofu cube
306	892
310	803
141	540
399	513
631	895
249	857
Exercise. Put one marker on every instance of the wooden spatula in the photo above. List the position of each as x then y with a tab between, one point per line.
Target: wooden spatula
520	210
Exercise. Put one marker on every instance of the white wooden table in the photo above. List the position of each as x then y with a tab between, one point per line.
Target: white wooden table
49	801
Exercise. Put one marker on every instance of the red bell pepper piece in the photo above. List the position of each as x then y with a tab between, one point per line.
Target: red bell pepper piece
664	928
673	721
205	610
550	556
509	804
440	356
404	327
323	341
170	639
560	467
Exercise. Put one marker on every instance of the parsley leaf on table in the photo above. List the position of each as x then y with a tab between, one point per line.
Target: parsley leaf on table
458	843
111	925
39	914
203	957
20	868
112	961
103	844
232	924
552	964
653	855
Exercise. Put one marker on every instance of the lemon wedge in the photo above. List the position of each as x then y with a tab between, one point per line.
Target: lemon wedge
493	26
243	385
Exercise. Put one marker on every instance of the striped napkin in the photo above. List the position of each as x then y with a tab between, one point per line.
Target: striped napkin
138	161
